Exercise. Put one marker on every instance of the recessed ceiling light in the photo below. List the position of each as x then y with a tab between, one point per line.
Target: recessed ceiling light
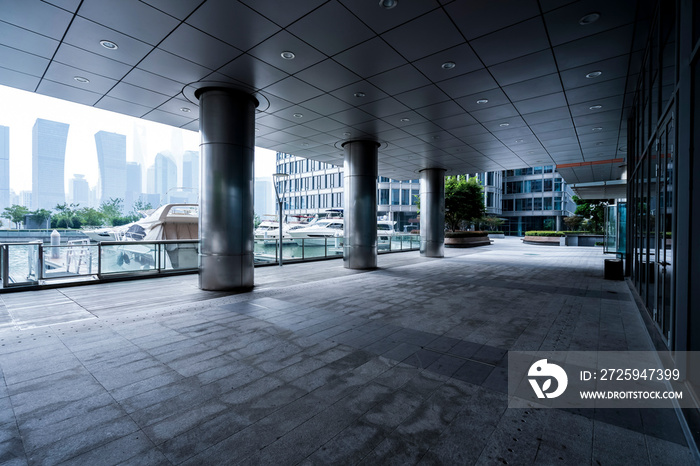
518	141
597	128
594	74
108	44
405	119
595	107
346	134
287	55
304	144
388	4
257	130
359	94
482	101
185	109
298	115
81	79
590	18
503	125
599	143
448	65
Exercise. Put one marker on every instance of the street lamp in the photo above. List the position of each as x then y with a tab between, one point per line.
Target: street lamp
280	204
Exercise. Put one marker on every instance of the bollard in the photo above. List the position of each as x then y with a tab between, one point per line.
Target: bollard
55	242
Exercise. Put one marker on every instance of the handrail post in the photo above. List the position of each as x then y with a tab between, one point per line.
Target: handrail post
99	260
5	265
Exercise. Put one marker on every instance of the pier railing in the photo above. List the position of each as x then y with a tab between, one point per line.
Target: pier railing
35	264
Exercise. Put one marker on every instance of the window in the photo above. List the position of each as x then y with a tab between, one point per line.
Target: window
489	199
507	205
405	197
537	170
384	196
523	204
557	184
415	196
536	186
547	185
557	203
489	179
548	169
394	197
537	204
547	203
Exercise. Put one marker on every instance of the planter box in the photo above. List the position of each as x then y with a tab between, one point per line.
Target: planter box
496	235
545	240
583	240
467	242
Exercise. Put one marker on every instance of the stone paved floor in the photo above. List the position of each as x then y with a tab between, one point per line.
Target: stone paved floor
321	365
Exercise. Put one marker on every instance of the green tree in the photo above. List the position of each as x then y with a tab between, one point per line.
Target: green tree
15	213
138	206
464	201
492	223
573	223
65	216
593	211
90	216
41	216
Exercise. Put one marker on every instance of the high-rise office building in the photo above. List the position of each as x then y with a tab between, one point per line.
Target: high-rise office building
315	187
79	191
264	200
162	177
190	175
133	185
111	158
48	163
4	167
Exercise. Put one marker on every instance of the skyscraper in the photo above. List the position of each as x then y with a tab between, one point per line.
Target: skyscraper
111	158
79	190
4	167
133	184
48	163
190	174
162	176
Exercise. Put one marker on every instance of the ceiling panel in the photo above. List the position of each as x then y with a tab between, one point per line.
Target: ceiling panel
357	71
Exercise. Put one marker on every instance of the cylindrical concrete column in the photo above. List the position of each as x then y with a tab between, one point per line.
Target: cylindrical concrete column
227	128
558	225
360	177
432	212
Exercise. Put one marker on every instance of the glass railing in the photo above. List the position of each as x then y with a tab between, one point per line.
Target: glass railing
34	264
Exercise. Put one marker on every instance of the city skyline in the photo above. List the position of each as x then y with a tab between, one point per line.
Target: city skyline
144	139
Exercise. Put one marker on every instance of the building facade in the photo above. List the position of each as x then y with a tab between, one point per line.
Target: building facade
133	184
4	167
162	178
190	175
314	187
111	159
48	163
79	191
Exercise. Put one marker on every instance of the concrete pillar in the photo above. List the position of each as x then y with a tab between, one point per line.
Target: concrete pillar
558	228
226	122
432	212
360	173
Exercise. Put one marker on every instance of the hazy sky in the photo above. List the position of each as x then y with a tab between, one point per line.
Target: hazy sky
19	110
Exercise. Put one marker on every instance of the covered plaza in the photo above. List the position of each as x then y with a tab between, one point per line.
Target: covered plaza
321	364
395	358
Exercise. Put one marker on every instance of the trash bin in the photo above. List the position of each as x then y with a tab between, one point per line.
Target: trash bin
613	269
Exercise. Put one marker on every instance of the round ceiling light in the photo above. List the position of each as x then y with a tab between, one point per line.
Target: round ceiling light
448	65
503	125
108	44
405	119
482	101
388	4
287	55
359	94
298	115
594	74
590	18
185	109
597	128
81	79
595	107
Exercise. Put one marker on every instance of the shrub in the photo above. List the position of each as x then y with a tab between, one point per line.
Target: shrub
465	234
599	243
544	233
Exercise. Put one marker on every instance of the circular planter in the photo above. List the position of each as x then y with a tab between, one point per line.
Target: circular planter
466	240
545	240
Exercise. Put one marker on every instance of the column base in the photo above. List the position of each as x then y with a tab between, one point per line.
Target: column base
226	273
359	257
432	248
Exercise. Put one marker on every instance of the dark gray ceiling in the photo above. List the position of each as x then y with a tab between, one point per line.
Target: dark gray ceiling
528	58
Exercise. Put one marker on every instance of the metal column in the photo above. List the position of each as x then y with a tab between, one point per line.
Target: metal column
226	121
360	177
432	212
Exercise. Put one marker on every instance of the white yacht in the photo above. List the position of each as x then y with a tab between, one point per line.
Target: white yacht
268	231
334	228
169	221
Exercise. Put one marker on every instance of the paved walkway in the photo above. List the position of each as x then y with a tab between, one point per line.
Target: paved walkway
322	365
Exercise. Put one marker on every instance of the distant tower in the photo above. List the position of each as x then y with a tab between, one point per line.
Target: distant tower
4	167
190	174
48	162
162	176
111	158
79	190
133	185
